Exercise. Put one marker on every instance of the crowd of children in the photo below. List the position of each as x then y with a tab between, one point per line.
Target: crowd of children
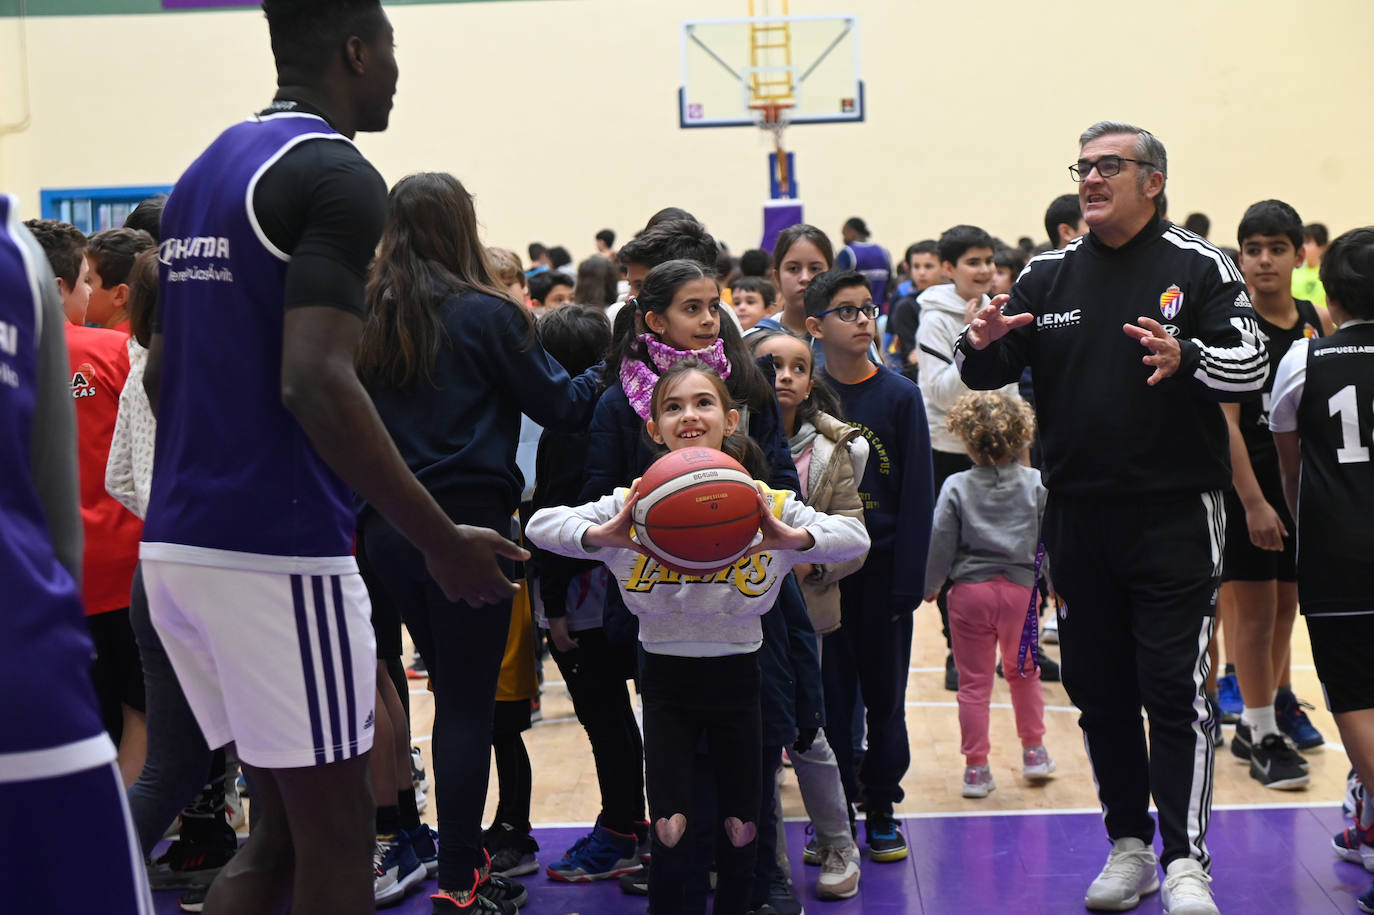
844	401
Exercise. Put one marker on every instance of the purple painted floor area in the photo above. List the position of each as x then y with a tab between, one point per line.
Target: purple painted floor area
1273	860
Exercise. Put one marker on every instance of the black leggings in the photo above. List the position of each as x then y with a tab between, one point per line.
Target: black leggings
514	779
462	647
684	699
596	681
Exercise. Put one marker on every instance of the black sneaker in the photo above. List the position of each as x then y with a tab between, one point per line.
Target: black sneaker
1242	742
885	839
636	884
503	891
193	900
468	903
951	674
781	898
188	864
1274	764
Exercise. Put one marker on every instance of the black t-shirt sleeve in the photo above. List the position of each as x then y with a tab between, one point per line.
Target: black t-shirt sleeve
324	205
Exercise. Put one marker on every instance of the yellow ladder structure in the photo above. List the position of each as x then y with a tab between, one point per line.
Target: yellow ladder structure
770	47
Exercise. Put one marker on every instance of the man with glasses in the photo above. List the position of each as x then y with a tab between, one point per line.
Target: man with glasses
1134	331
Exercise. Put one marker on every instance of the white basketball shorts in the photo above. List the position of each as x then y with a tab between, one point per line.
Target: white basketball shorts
282	664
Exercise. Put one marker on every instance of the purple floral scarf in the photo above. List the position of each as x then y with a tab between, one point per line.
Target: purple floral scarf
638	379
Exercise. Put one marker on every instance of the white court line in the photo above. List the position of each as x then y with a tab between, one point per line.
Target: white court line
1048	708
1045	811
563	720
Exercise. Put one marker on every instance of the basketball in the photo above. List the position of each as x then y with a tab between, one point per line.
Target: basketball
698	511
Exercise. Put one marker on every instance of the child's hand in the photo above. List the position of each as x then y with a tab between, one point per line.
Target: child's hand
615	533
560	636
779	536
1266	527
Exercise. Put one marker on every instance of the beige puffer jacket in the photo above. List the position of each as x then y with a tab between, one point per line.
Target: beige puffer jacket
839	454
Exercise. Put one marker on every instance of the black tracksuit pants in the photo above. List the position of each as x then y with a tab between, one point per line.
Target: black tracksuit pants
1139	579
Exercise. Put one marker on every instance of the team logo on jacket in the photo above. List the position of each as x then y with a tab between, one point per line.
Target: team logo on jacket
1309	331
83	381
1171	302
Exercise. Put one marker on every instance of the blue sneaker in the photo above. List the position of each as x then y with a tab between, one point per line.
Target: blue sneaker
396	870
1366	900
1228	699
1294	723
601	855
424	841
885	839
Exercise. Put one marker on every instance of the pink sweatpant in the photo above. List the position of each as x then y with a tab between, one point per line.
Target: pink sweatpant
982	615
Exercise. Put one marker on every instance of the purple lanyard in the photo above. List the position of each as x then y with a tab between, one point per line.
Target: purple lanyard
1030	631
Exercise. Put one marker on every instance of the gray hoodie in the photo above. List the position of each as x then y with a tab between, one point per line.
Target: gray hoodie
987	523
942	320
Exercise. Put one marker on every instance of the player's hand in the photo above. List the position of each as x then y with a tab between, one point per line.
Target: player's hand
989	324
465	567
559	634
805	738
615	533
1266	527
1165	354
779	536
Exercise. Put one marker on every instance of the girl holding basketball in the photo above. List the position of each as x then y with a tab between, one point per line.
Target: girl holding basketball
700	634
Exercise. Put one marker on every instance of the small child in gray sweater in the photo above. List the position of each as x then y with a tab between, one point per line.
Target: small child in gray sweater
985	532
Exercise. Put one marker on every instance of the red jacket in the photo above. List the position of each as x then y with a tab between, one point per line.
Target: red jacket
100	366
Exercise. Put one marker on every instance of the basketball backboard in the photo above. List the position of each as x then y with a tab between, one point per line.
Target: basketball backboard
733	68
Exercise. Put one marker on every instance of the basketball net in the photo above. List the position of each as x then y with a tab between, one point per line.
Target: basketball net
773	118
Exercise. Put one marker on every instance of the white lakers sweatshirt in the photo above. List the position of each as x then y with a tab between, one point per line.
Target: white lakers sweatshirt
694	615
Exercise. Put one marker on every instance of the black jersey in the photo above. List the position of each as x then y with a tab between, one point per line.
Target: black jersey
1254	414
1325	392
1105	431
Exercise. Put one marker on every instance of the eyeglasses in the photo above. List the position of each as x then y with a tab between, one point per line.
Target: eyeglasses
1107	167
850	313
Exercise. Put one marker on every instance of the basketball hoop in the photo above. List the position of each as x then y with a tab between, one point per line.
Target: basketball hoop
773	118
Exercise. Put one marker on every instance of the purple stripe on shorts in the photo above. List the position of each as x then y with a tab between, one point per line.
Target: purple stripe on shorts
346	663
312	698
331	689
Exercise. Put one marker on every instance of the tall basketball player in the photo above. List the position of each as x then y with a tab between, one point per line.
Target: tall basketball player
263	430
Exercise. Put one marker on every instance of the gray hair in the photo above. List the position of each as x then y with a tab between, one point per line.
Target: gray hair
1147	149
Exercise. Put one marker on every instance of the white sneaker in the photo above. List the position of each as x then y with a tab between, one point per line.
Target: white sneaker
1036	765
1131	871
839	877
1049	633
1186	891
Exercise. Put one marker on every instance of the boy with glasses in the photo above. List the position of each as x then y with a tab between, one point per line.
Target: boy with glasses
871	650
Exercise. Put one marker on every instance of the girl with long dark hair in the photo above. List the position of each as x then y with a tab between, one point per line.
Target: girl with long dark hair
451	362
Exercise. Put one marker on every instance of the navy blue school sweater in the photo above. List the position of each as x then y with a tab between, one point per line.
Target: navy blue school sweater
458	433
620	450
897	482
